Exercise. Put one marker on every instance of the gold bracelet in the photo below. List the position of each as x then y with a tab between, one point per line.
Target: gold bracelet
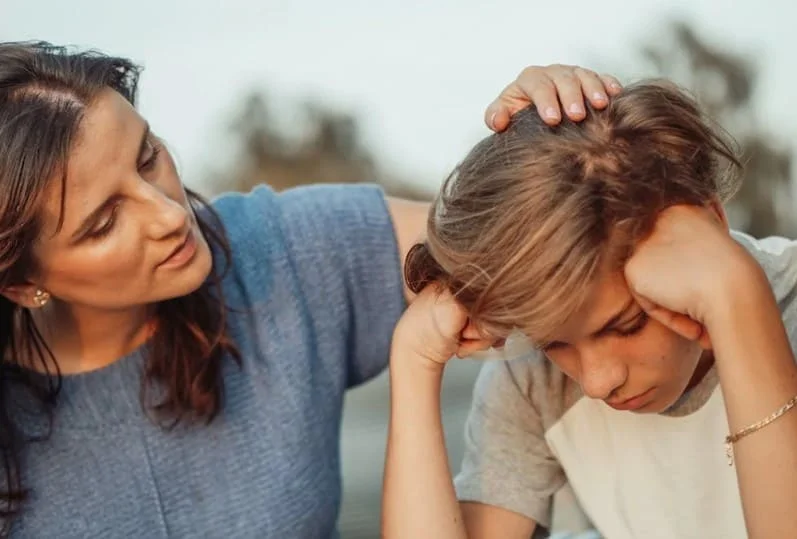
733	438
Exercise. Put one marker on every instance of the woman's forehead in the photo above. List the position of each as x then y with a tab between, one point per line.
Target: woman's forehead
103	153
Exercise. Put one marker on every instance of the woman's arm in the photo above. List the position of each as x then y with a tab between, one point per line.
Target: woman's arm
409	222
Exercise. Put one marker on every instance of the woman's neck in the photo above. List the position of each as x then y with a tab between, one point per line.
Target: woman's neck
85	339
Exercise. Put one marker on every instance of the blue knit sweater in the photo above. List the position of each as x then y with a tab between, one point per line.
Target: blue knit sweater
316	289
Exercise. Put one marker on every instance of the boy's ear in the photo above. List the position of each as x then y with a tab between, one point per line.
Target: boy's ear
718	210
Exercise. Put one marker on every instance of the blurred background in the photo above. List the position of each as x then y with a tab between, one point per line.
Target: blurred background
250	91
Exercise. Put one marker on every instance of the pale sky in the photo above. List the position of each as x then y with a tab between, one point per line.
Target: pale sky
417	74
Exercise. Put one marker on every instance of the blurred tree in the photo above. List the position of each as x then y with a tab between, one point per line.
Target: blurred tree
724	82
329	150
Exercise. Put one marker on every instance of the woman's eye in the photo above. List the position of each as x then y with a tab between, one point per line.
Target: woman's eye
152	160
106	227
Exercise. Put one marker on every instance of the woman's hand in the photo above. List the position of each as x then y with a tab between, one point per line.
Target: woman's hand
684	270
435	328
552	89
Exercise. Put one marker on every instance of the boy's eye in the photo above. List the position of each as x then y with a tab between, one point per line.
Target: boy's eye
550	346
637	324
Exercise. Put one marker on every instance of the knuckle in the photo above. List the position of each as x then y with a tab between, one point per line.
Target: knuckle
541	81
529	72
564	73
547	84
584	72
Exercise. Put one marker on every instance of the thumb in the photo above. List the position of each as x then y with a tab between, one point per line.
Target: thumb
677	322
497	116
471	347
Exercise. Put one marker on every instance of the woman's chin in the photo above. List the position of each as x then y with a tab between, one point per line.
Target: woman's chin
189	278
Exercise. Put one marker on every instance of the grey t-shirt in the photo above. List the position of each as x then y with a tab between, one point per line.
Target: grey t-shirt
531	430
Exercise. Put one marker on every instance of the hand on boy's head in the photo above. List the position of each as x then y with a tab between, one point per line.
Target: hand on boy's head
552	89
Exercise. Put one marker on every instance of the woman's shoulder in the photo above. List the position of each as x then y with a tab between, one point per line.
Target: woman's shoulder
314	242
310	215
248	245
243	213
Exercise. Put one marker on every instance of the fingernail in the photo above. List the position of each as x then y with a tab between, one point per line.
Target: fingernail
551	113
598	96
615	86
575	108
492	119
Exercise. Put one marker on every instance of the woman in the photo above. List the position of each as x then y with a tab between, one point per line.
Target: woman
173	368
642	333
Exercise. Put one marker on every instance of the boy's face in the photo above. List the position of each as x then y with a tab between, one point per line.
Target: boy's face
616	353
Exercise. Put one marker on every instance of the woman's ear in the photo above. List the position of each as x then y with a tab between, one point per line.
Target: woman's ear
27	295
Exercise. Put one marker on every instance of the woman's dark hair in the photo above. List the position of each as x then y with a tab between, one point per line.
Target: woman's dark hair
44	93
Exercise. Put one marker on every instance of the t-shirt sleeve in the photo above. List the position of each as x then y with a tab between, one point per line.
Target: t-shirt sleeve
345	255
778	258
507	460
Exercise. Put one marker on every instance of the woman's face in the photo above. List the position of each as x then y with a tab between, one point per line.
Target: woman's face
616	353
129	236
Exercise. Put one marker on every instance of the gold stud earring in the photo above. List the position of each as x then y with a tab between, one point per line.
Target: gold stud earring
40	297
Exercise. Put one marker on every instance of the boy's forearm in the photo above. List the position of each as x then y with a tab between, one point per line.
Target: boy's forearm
419	498
758	375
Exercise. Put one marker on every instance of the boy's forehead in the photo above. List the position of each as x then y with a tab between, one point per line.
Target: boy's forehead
607	296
